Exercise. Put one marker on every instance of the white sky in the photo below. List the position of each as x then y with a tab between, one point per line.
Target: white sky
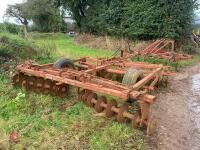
4	4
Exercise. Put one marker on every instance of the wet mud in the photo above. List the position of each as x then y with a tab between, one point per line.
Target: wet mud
177	111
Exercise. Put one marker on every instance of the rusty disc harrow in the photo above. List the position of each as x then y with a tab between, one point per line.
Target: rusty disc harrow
40	85
98	106
111	109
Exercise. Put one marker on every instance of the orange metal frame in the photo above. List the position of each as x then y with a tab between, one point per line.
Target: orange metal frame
156	50
85	76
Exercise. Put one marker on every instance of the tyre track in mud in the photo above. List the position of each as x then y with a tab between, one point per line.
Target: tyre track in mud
177	111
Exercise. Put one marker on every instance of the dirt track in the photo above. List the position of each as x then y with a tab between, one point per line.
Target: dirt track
177	111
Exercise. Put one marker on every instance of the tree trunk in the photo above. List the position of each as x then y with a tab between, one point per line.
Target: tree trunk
25	31
194	42
25	28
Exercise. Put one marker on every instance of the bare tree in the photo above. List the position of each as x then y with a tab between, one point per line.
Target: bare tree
18	11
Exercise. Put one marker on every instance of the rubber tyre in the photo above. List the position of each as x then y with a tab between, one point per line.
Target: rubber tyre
132	76
63	63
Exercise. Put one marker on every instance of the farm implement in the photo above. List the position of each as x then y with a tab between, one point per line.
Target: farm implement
157	50
126	83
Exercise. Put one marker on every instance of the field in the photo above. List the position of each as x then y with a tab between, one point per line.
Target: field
66	46
39	122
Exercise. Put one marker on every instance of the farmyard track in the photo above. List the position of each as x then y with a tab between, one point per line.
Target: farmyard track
177	111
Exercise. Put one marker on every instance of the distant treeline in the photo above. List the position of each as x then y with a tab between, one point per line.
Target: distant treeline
138	19
130	19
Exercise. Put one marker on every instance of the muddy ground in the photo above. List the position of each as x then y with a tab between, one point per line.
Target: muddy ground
177	111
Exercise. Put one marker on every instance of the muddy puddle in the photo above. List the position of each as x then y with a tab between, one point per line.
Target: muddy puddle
196	84
178	113
194	106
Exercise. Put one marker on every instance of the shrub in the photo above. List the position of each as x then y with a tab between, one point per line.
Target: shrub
10	28
3	27
138	19
15	46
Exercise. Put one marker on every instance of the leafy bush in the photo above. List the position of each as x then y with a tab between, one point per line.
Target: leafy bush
3	27
15	46
138	19
10	28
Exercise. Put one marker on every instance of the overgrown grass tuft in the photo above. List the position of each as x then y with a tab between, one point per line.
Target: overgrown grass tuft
16	47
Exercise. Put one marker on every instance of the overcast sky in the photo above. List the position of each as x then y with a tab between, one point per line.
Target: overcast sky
5	3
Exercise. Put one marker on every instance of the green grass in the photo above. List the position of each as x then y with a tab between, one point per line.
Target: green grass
15	47
193	61
42	126
67	48
174	65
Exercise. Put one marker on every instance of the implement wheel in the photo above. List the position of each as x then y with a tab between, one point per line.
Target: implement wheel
63	63
132	76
